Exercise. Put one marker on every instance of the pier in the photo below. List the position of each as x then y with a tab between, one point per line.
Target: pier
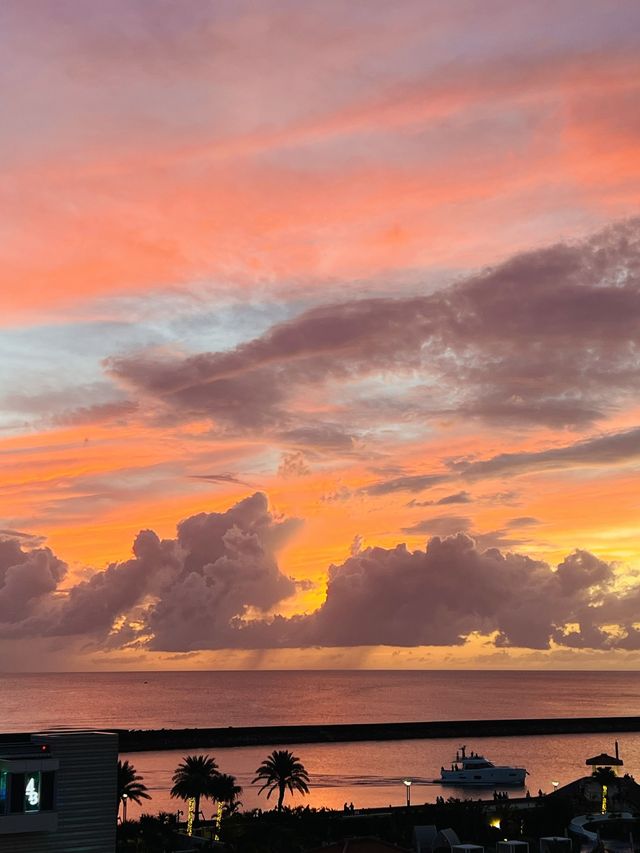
139	740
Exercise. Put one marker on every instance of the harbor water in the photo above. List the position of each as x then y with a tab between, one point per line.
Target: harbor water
368	774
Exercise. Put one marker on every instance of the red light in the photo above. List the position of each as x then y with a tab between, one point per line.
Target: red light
44	748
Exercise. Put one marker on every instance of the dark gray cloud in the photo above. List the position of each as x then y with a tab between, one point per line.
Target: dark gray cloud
27	577
338	495
228	567
608	449
330	437
449	525
523	521
30	539
187	589
605	449
582	570
53	402
218	478
629	642
229	573
515	409
92	606
409	483
293	465
502	538
215	585
248	387
510	498
119	411
457	498
443	525
548	337
440	595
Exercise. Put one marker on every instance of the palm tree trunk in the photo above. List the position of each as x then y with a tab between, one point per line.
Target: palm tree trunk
196	817
281	796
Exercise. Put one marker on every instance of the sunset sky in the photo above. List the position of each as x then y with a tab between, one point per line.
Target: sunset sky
350	291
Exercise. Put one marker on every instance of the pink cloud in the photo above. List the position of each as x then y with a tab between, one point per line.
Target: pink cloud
158	150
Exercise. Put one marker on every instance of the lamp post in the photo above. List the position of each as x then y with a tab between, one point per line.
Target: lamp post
555	786
125	797
407	784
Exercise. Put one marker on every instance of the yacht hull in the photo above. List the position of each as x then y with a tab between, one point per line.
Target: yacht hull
503	777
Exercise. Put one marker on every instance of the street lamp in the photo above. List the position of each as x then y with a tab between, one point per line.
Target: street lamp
555	786
125	797
407	783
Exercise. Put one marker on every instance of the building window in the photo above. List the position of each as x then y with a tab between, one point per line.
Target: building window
47	790
3	792
32	791
16	802
27	793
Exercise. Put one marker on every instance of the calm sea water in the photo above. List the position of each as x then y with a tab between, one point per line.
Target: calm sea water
369	774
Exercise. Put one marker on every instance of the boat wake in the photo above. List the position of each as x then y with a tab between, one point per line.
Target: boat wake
329	781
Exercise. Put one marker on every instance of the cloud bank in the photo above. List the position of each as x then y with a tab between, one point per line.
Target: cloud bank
547	338
186	591
218	584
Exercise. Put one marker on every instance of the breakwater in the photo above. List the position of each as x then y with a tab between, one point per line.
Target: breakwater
139	740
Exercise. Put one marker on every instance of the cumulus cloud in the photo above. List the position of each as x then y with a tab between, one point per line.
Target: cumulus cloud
548	337
92	606
454	587
184	590
440	595
217	585
582	570
229	572
27	577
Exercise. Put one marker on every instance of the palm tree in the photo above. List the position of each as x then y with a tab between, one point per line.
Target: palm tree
195	778
130	785
282	770
155	832
226	791
605	776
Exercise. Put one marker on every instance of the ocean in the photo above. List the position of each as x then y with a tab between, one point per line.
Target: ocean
367	774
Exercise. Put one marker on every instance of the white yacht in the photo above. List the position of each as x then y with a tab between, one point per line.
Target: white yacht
474	769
